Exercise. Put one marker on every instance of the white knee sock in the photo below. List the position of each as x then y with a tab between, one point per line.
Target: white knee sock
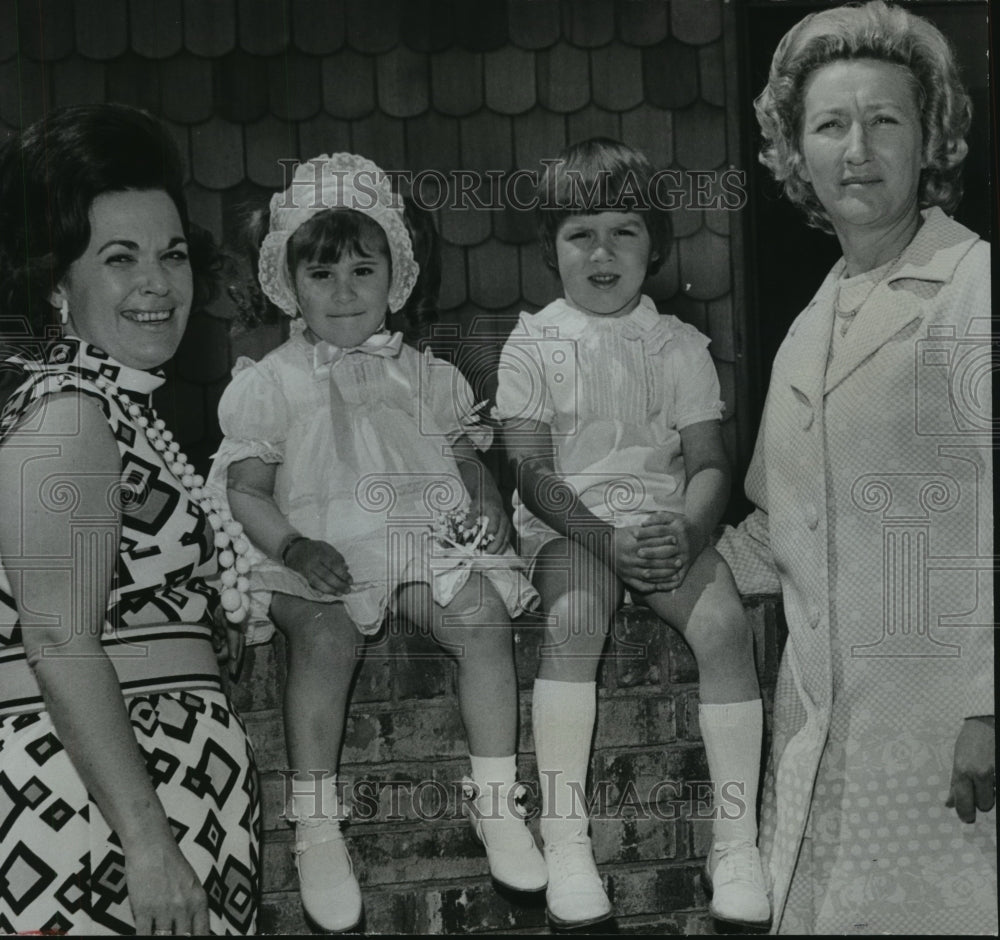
562	717
732	735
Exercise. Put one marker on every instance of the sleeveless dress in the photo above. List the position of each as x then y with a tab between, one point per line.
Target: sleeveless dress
61	865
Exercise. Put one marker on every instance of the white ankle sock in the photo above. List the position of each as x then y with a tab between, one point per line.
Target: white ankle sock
315	800
562	717
491	775
491	772
732	736
315	809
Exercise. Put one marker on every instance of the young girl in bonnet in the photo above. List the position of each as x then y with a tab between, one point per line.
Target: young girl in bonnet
350	459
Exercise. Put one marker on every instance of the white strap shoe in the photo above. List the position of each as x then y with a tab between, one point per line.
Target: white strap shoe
576	895
736	878
498	822
331	895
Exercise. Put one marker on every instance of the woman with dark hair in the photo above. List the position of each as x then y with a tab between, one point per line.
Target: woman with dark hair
129	786
872	482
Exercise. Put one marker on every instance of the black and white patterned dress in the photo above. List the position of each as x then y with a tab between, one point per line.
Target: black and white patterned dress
61	866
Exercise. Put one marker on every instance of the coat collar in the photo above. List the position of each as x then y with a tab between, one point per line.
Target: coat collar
933	255
808	342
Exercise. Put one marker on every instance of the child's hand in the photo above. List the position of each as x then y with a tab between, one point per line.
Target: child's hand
642	560
321	565
666	537
488	505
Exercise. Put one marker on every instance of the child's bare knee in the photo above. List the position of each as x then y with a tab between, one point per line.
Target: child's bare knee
320	630
722	631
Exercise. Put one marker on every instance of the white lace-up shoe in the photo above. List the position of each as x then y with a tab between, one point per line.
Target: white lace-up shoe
498	823
736	878
331	895
575	896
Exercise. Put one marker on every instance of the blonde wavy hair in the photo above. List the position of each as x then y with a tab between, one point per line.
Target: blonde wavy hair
874	30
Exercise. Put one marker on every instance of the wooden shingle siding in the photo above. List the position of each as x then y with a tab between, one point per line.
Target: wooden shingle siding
45	30
156	30
77	80
318	26
416	85
105	36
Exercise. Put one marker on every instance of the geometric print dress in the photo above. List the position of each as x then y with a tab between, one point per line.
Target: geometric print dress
61	865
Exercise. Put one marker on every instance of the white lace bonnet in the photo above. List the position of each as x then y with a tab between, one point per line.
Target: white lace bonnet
335	181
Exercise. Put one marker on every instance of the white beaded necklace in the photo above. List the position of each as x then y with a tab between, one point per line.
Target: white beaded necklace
233	546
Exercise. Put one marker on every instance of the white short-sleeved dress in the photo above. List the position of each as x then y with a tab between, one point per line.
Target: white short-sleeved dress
616	392
362	445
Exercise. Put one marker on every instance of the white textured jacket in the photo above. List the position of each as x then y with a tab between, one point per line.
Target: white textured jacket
873	483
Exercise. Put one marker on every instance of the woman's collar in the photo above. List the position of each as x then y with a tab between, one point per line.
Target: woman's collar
936	249
92	361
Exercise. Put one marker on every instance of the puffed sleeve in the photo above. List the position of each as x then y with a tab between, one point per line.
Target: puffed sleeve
522	389
254	417
696	383
452	403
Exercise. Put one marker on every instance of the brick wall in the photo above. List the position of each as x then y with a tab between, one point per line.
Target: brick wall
421	869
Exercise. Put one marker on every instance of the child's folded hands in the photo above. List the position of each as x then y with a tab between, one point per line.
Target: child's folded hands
654	556
676	550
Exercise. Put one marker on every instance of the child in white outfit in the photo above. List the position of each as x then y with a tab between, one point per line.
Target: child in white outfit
611	417
342	446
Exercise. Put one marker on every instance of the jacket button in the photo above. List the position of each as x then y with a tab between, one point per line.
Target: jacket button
814	617
807	420
811	514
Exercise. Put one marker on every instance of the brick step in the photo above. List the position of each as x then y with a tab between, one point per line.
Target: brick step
388	855
645	896
421	868
430	791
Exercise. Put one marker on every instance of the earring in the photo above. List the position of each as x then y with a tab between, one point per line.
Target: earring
64	311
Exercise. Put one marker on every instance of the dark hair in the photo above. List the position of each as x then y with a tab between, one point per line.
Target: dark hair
50	175
324	237
886	33
421	307
600	175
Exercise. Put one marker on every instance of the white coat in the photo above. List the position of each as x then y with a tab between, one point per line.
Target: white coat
873	483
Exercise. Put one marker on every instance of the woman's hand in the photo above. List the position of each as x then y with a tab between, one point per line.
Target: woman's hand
973	775
229	643
321	565
164	891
